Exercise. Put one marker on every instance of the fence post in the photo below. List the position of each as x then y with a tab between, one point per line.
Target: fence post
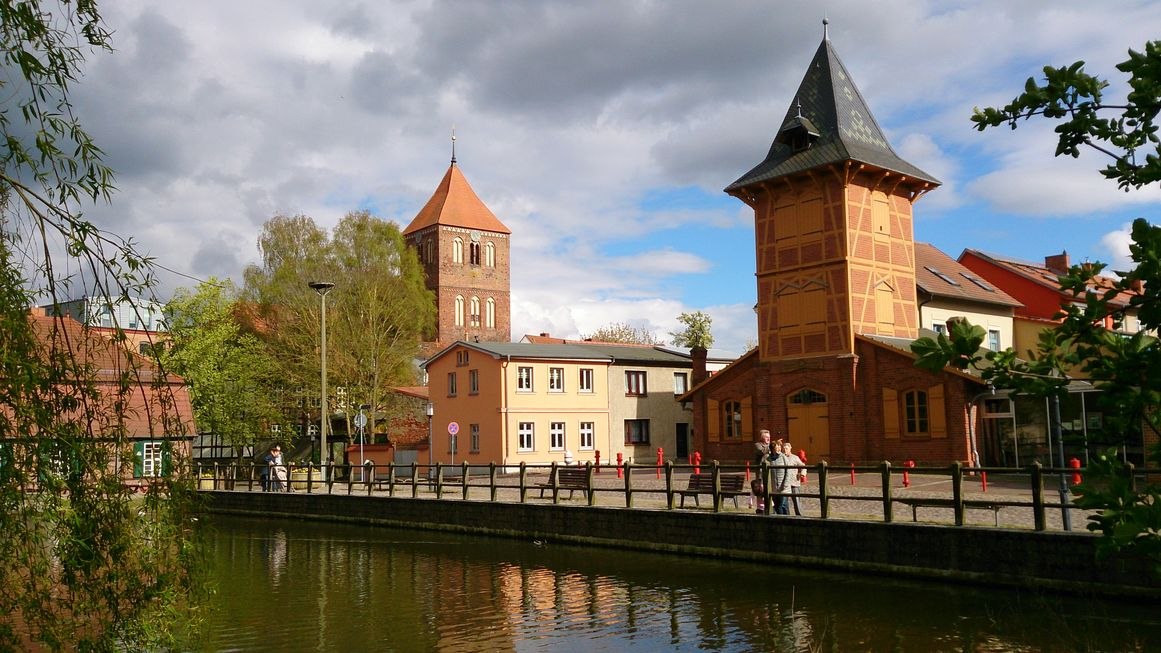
589	482
415	479
823	492
888	511
523	481
1038	496
439	480
767	499
554	479
492	479
669	484
957	491
464	479
628	485
716	478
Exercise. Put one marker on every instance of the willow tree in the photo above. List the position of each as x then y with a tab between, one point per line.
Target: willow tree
84	565
377	311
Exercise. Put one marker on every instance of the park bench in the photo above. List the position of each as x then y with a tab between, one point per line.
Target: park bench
916	503
568	478
731	487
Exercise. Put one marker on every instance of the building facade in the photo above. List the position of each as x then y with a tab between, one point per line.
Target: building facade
543	403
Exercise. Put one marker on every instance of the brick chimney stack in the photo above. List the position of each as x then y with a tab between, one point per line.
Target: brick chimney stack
698	356
1057	263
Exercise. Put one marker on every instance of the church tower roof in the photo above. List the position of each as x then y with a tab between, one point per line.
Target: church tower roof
455	204
828	123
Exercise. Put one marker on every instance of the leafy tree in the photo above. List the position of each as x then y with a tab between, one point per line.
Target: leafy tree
624	332
84	565
232	380
696	333
1127	369
376	314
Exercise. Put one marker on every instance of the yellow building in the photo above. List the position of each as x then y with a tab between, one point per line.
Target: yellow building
539	403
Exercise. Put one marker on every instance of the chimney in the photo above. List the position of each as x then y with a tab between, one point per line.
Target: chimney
1057	263
543	334
698	356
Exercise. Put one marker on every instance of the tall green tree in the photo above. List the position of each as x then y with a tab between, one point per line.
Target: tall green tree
233	382
623	332
377	311
84	565
696	332
1126	368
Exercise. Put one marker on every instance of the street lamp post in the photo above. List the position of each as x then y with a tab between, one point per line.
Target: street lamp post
430	412
322	288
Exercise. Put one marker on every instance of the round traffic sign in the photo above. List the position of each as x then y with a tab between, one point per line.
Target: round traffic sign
360	420
453	428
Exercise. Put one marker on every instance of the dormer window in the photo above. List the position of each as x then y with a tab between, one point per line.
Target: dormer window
798	133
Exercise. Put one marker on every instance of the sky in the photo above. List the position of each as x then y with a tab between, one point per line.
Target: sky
600	133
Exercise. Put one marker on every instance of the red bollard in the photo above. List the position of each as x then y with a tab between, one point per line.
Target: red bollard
620	463
1074	463
597	455
747	471
697	462
906	474
660	460
852	473
983	481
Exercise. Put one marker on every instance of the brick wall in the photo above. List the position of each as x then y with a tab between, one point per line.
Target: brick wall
1047	560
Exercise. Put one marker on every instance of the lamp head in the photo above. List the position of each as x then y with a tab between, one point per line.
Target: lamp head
321	287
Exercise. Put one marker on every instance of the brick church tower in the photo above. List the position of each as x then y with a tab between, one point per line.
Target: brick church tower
464	250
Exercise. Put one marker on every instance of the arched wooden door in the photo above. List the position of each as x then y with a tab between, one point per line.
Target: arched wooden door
808	423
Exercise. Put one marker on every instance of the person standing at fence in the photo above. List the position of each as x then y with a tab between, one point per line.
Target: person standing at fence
264	472
796	475
277	470
780	482
761	455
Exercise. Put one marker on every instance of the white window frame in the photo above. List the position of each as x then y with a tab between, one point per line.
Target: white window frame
526	436
680	383
585	379
994	339
525	380
587	436
152	459
636	383
556	438
556	379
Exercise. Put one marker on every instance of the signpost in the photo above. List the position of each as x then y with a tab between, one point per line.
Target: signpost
361	424
452	429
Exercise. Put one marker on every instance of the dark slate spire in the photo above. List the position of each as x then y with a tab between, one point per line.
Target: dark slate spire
828	123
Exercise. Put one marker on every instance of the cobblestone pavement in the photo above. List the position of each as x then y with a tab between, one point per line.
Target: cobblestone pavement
856	498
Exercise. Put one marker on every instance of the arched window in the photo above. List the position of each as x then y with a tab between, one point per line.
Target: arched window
457	250
490	254
490	314
474	253
459	310
732	413
915	412
474	314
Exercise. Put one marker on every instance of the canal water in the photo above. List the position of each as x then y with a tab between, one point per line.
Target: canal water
310	586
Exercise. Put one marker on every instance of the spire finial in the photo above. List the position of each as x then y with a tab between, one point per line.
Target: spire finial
798	105
453	145
825	34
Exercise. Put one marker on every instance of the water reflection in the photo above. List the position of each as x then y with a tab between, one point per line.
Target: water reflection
302	586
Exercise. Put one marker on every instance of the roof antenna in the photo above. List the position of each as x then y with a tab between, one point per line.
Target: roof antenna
453	145
825	22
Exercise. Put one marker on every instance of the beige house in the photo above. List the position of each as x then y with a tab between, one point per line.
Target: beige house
540	403
949	290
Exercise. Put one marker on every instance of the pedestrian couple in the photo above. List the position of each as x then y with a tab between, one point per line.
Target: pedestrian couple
274	472
786	475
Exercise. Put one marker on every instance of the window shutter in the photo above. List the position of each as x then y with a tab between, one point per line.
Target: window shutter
138	459
936	414
713	421
745	431
890	413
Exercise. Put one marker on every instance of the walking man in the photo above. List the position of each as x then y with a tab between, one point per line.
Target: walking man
761	455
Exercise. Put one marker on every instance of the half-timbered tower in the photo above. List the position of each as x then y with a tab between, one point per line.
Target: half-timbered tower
836	287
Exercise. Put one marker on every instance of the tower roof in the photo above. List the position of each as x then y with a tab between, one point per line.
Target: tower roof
828	123
455	204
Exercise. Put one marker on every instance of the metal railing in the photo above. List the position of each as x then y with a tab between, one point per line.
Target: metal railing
944	493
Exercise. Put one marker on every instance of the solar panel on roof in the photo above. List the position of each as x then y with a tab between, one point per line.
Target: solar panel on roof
941	275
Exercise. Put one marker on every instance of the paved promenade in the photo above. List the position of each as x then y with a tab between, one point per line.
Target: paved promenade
860	500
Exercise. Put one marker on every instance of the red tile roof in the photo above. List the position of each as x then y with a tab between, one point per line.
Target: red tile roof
939	275
455	204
